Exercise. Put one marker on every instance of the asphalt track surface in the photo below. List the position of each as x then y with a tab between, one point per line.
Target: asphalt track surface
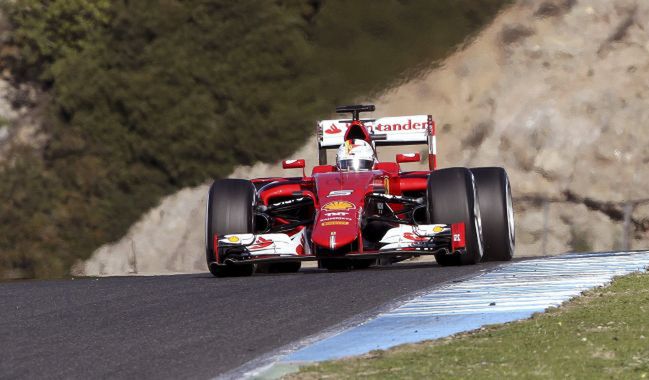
186	326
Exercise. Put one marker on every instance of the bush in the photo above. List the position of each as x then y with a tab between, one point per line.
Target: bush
49	29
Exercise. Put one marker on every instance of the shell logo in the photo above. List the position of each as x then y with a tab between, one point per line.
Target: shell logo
338	206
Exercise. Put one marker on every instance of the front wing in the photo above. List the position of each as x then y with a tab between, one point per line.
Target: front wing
403	240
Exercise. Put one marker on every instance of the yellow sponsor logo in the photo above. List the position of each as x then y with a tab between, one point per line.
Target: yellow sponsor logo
338	206
335	223
438	229
386	184
349	146
233	239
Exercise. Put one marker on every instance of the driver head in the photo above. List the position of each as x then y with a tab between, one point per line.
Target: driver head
355	155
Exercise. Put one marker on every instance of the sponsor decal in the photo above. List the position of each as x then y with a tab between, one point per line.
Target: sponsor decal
335	223
261	243
413	237
438	229
335	218
334	214
233	239
340	193
386	185
333	129
458	232
338	206
349	145
408	126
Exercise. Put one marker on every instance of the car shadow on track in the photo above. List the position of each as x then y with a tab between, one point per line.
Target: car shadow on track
379	268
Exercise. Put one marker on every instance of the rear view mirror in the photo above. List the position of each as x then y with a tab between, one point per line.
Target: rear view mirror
408	157
293	164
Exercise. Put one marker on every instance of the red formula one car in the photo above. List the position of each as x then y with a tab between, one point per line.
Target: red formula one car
360	211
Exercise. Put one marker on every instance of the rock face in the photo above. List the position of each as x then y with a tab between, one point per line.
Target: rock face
555	91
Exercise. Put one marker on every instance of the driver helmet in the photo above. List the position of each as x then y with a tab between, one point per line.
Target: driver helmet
355	155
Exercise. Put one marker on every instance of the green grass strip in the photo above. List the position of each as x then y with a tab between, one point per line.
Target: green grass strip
603	334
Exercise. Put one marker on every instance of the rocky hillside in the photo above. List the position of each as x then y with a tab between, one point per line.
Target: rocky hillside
555	91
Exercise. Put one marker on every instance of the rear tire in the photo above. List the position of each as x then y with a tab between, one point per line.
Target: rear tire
452	198
229	211
495	199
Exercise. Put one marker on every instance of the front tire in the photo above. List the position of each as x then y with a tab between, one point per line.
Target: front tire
495	199
230	205
452	198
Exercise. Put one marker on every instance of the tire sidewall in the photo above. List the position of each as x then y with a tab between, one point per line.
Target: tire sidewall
239	194
452	198
495	200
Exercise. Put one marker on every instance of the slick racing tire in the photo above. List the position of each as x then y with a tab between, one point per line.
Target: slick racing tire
495	199
451	197
230	205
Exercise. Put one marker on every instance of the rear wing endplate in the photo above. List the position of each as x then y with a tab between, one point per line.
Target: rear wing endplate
399	130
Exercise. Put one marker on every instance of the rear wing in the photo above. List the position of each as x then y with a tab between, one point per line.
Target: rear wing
399	130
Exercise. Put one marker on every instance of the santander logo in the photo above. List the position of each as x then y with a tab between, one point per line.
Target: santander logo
413	237
261	243
333	130
408	126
